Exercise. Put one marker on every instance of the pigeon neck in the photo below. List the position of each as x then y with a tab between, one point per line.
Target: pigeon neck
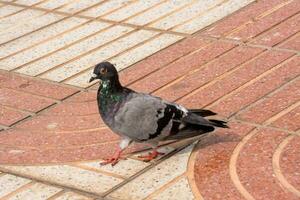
110	86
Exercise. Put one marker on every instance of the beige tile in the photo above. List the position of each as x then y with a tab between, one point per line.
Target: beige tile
38	36
9	183
17	19
132	56
8	10
69	176
131	9
28	2
62	56
157	12
125	168
72	196
28	27
106	7
79	5
177	191
53	4
154	178
185	14
101	54
51	46
37	191
212	16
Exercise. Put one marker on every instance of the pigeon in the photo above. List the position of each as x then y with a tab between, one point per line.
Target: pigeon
144	118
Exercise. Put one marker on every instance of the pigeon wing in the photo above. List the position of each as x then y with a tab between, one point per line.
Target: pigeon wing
143	117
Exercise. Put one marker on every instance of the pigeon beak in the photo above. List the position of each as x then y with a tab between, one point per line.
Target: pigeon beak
94	76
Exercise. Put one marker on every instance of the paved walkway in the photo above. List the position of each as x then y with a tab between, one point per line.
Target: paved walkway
245	66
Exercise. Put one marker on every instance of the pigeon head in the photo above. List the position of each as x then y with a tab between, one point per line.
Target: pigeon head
105	71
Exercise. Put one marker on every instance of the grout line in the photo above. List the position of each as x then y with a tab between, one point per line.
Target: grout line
172	62
145	10
166	186
200	14
115	9
257	37
67	16
282	113
116	55
255	79
192	71
30	78
179	9
268	95
17	109
197	68
47	39
270	28
81	166
87	52
288	39
18	190
63	47
260	16
191	93
28	18
152	165
263	126
32	94
248	44
50	183
56	195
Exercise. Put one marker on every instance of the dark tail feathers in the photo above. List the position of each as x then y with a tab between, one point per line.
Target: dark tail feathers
218	123
202	112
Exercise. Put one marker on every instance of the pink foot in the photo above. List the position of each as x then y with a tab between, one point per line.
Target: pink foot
114	159
150	156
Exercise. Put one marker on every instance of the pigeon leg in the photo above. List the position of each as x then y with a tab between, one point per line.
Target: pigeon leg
117	155
150	156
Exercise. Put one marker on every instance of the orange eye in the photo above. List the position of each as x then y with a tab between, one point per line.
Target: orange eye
103	70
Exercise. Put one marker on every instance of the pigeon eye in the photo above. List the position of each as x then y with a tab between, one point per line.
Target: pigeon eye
103	71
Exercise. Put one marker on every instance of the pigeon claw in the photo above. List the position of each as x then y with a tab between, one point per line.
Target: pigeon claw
112	161
150	156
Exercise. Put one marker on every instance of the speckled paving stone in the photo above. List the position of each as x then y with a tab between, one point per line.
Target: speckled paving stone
36	191
69	137
254	166
211	170
292	44
289	164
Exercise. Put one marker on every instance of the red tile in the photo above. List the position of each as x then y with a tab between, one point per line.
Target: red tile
9	116
266	22
70	109
254	166
244	15
280	32
292	44
85	96
258	89
38	87
242	75
181	67
289	121
160	59
272	105
24	101
51	140
211	168
208	72
290	162
55	123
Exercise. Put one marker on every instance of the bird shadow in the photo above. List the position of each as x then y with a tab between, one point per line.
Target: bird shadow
202	142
